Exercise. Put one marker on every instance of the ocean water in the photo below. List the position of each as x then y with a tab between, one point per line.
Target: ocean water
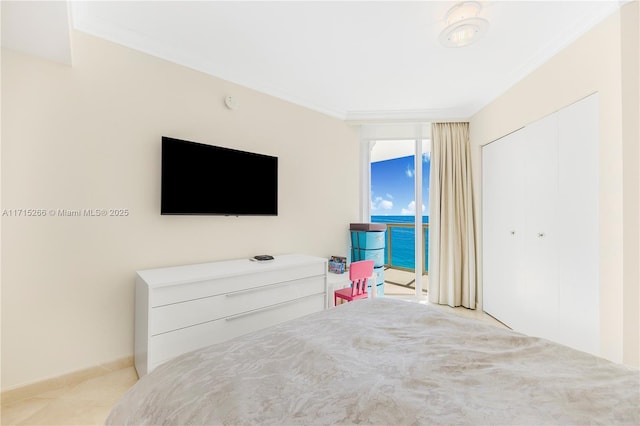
402	240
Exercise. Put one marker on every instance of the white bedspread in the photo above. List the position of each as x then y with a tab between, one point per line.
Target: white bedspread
384	362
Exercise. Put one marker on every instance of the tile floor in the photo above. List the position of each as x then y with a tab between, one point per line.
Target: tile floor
88	402
84	403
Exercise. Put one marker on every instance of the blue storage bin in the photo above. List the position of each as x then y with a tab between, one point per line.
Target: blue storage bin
361	254
368	242
379	271
379	290
368	239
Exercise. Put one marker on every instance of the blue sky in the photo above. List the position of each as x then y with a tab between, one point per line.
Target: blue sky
392	186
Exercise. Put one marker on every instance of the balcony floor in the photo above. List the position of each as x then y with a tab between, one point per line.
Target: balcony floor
399	283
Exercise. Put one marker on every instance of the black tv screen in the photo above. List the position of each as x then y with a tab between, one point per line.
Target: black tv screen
200	179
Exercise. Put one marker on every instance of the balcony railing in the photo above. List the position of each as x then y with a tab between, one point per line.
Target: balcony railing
400	247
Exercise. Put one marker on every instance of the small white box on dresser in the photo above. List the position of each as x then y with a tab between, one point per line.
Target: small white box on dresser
183	308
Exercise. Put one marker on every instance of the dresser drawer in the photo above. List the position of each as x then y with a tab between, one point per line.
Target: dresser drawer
368	240
168	345
165	295
179	315
379	290
379	271
361	254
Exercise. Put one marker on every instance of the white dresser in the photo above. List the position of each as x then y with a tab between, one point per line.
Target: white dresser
183	308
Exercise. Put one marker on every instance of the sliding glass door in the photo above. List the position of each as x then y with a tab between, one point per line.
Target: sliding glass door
399	197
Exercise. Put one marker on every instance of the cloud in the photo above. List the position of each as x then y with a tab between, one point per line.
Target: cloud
411	209
410	172
379	203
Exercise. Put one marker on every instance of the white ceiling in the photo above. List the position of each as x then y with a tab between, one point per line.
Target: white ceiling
357	60
37	28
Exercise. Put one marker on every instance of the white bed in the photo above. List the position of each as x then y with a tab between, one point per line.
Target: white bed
388	362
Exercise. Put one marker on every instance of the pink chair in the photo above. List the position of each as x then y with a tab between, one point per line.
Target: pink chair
359	274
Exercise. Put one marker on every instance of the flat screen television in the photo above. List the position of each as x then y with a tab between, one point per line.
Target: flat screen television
200	179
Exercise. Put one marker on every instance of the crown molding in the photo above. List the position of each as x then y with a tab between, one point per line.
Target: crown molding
407	116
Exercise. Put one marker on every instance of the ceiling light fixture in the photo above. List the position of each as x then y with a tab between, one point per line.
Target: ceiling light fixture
464	26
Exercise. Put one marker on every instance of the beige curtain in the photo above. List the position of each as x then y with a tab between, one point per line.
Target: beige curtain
452	242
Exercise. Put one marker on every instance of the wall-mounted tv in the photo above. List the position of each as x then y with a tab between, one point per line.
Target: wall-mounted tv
200	179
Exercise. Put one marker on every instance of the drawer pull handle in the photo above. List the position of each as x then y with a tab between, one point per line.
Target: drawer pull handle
258	289
257	311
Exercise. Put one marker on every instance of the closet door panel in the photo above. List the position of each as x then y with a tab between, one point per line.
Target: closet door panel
541	232
540	227
578	218
502	226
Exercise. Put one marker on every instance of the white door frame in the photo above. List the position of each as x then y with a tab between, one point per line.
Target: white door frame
369	134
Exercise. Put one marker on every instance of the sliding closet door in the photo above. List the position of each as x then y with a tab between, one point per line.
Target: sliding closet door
540	227
579	290
502	200
541	234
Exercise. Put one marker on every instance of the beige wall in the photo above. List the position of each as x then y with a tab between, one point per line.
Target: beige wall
630	34
591	64
630	48
89	137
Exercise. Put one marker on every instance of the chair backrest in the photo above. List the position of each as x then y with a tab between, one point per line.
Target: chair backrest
359	274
